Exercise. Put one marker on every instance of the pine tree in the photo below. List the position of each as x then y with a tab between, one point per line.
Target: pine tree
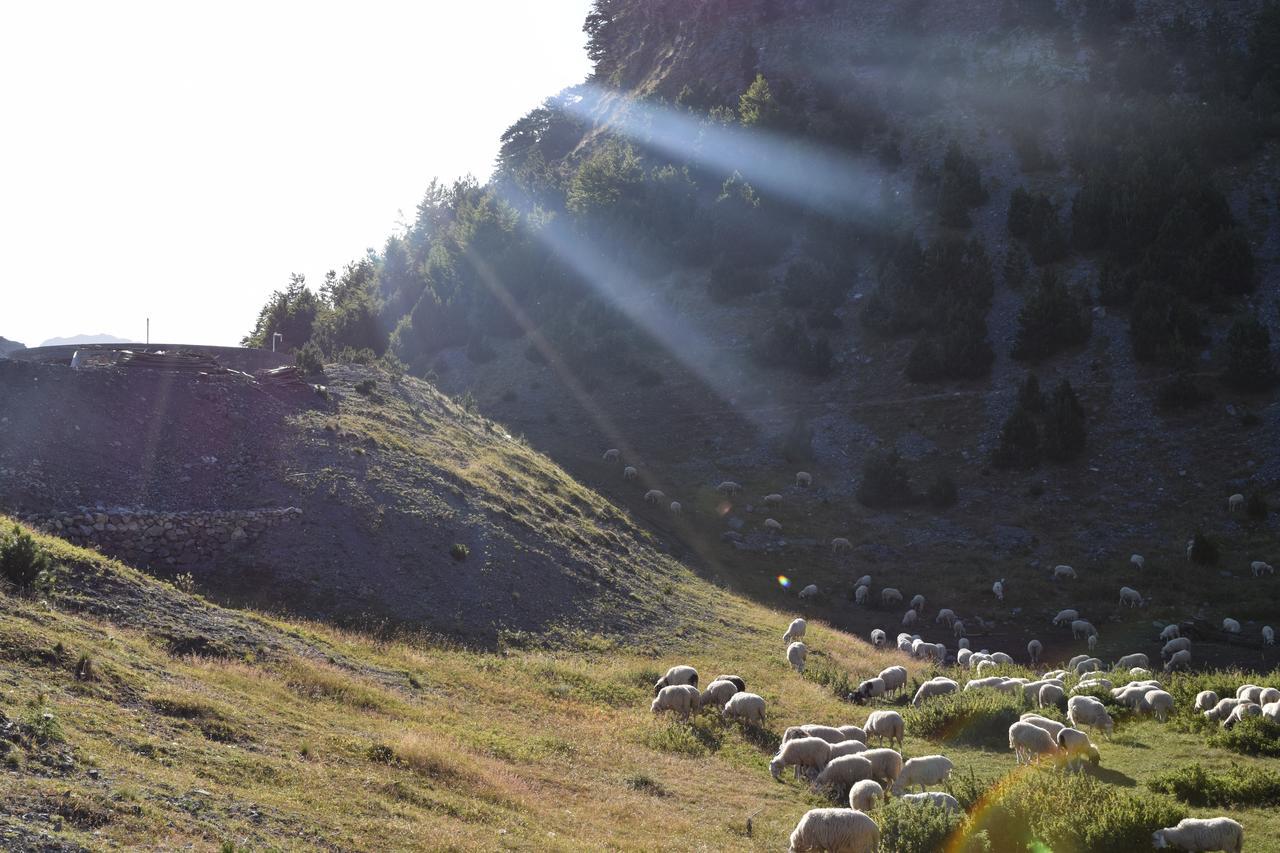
1064	427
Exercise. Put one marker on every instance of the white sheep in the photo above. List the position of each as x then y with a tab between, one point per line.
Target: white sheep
871	688
654	496
774	499
1235	502
1222	709
886	725
939	686
1075	661
836	830
1063	572
773	525
1137	560
1076	747
924	771
997	589
886	764
1242	712
947	615
809	752
860	594
1088	711
1258	567
957	628
894	678
1032	688
865	580
847	747
1205	700
681	674
830	734
810	591
1034	649
1002	658
1082	628
1249	692
937	799
795	631
839	544
1170	632
1092	641
909	618
612	454
865	795
1066	617
1267	696
889	595
804	479
1271	711
1192	833
986	666
1029	742
852	732
1053	727
1177	644
963	654
736	680
917	603
1129	661
630	473
1180	659
1160	703
797	653
728	487
842	772
878	637
1268	635
681	698
718	693
1049	694
676	508
1130	596
1231	626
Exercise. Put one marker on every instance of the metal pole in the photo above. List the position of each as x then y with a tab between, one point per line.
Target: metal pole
148	331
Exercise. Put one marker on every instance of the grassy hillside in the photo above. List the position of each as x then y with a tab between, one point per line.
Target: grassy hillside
123	730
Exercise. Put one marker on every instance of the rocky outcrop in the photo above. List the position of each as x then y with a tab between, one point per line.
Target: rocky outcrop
147	538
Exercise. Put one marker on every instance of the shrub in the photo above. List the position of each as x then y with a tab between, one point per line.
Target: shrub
805	286
1030	397
459	551
1181	392
1019	441
729	282
788	345
885	482
1034	218
676	738
1252	736
1250	366
1163	327
914	828
942	492
1239	786
309	359
962	352
1204	549
1051	320
22	562
1256	506
366	386
973	717
86	669
1064	429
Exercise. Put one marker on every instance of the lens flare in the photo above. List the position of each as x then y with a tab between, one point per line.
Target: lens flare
784	581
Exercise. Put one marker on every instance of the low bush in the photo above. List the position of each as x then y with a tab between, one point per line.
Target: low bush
1256	506
366	386
1204	549
309	359
788	345
1195	785
885	482
921	828
459	551
942	492
973	717
1181	392
22	562
1254	736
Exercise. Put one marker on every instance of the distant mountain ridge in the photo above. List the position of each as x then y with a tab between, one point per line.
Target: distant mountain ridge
7	346
85	339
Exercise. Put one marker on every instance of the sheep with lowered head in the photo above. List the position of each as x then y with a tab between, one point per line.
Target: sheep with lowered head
1130	661
1170	632
1268	635
839	544
684	699
1077	748
1063	572
1053	727
847	747
1231	626
795	631
1205	700
1066	617
629	473
747	707
804	479
1243	711
924	771
889	595
773	525
1235	502
1181	659
718	693
866	795
1088	711
797	654
1028	742
728	487
957	628
886	764
1138	561
878	637
1160	703
1049	695
811	753
1177	644
852	732
937	799
917	603
810	591
612	454
860	594
1258	567
736	680
774	499
871	688
947	615
1202	834
842	772
1034	649
681	674
1130	596
835	830
938	686
886	725
654	496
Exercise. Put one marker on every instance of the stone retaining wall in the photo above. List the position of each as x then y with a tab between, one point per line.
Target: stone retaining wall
144	537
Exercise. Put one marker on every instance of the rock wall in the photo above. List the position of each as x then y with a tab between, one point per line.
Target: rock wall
145	538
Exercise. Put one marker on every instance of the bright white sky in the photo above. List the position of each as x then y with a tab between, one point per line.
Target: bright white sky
178	160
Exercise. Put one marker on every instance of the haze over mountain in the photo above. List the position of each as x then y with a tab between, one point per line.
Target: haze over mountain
101	338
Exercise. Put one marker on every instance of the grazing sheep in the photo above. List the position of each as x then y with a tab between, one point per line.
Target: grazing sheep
1137	560
1249	692
1235	502
894	678
1271	711
681	698
878	637
886	725
1034	649
810	591
1268	635
1064	572
1049	694
947	615
1201	834
957	628
1241	712
842	772
830	734
1029	742
1133	695
773	525
728	487
886	764
804	479
839	544
718	693
1130	596
1177	644
1129	661
872	688
1231	626
1002	659
889	595
909	618
865	795
797	653
795	631
865	580
1139	671
1092	641
997	589
1088	711
736	680
677	675
654	496
1223	708
1267	696
986	666
917	603
1032	688
676	508
1170	632
1179	659
852	732
1066	617
1076	747
808	752
860	594
1053	727
1258	567
774	499
1082	628
847	747
964	654
1205	700
836	831
937	799
629	473
1160	703
934	687
924	771
1075	661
